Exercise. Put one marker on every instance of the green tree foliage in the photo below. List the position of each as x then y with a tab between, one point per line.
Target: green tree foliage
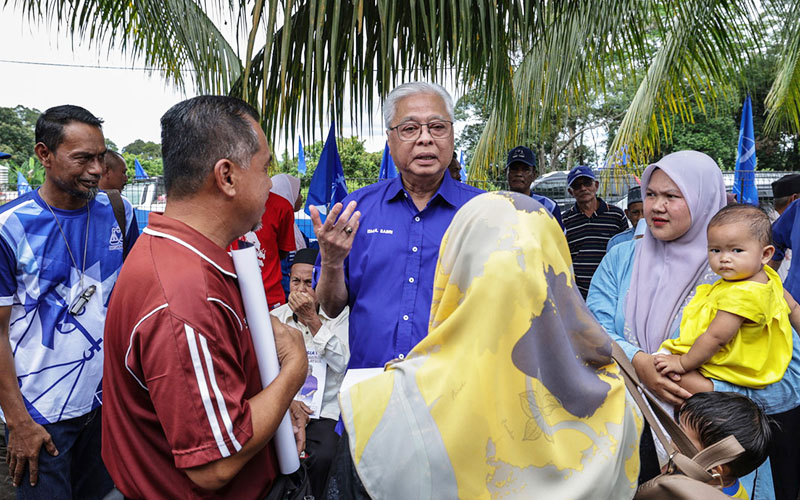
31	169
357	162
543	62
143	149
153	167
17	127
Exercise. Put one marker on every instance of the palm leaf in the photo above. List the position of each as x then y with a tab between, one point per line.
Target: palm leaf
783	100
558	76
173	36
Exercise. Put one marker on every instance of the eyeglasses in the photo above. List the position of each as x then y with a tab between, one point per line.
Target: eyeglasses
581	182
410	131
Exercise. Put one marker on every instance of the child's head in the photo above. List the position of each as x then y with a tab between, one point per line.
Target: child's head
709	417
739	241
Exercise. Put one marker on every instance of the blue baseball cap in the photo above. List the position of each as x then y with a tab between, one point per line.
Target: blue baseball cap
3	156
580	171
521	154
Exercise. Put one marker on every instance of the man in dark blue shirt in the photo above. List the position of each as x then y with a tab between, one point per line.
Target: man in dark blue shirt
786	236
380	260
784	191
520	173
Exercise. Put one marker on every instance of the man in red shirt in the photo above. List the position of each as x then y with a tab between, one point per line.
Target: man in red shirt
185	415
273	241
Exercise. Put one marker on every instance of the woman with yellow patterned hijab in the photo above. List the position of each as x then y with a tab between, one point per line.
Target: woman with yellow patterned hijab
513	393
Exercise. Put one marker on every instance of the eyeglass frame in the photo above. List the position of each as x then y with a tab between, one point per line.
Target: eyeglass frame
420	129
587	181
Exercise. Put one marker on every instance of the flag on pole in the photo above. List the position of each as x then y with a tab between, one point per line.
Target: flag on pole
301	158
388	170
463	170
22	184
744	176
328	186
140	173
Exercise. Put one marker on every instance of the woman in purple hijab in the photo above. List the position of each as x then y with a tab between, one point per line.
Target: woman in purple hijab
641	287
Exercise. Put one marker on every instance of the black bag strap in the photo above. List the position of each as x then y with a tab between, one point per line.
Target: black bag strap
118	206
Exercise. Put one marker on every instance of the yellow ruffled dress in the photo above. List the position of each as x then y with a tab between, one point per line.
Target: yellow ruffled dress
760	353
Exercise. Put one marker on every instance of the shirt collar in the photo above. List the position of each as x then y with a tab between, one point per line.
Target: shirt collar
160	226
447	189
602	206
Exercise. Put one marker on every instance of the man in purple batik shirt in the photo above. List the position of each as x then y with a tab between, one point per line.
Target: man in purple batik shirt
380	255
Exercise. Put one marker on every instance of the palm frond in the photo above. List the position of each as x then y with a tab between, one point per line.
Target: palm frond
588	41
783	100
699	59
331	52
557	73
174	36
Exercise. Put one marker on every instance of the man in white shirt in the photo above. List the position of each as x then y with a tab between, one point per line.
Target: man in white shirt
326	342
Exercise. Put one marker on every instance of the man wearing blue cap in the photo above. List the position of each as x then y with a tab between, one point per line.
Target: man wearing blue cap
589	224
520	173
634	212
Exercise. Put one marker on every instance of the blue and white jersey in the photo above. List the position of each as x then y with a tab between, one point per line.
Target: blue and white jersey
59	356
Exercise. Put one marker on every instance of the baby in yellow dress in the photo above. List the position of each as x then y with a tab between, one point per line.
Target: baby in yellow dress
738	329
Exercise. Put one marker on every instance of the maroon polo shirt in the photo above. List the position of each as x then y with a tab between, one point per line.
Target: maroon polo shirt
179	369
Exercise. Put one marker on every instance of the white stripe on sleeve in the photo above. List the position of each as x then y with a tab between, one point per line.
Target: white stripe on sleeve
223	408
204	394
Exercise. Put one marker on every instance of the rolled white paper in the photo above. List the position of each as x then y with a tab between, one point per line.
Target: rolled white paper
257	313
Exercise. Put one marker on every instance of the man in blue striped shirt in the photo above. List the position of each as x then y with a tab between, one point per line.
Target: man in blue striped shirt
589	224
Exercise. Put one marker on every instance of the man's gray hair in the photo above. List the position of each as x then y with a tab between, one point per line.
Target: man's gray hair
413	88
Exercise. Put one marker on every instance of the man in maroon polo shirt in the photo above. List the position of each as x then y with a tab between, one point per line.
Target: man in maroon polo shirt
184	412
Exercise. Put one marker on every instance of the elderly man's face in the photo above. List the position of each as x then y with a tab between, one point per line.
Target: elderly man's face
584	189
520	177
300	280
635	211
424	159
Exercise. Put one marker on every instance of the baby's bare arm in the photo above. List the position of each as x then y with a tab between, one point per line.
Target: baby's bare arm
722	329
794	310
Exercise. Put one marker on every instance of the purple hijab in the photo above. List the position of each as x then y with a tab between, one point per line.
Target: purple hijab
666	272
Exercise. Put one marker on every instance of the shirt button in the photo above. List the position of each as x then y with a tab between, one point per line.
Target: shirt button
405	194
401	356
416	219
411	280
414	249
405	317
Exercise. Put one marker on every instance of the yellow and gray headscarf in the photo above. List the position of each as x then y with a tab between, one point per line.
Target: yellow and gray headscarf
513	393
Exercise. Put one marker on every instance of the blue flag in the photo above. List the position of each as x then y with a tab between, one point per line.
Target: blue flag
328	186
140	173
744	176
301	158
463	170
388	170
22	184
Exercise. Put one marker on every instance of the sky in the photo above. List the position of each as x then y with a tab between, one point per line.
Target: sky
40	68
131	102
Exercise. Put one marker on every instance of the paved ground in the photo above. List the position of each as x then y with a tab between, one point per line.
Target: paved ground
6	489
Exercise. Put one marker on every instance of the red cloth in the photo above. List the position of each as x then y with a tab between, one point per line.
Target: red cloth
276	233
179	369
